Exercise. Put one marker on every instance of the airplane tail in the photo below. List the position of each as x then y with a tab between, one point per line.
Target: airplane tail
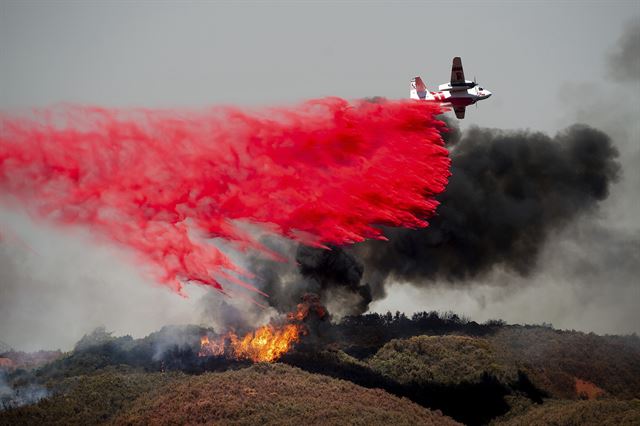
418	90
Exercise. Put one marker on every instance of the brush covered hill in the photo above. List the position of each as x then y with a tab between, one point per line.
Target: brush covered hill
477	379
441	359
554	360
276	394
89	399
570	413
561	364
567	363
444	370
260	394
515	378
472	373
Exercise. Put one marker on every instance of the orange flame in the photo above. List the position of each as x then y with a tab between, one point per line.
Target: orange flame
267	343
208	348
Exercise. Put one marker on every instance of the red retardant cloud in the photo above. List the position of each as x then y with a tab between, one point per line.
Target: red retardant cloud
164	182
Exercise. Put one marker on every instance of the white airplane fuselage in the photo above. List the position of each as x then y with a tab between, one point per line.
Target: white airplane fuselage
458	93
460	96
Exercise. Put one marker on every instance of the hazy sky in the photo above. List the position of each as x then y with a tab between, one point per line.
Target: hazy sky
199	53
545	62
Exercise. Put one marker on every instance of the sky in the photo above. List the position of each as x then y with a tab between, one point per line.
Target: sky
546	63
201	53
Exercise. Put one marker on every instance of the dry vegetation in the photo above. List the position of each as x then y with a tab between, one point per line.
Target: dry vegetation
473	373
554	359
275	394
88	400
584	413
261	394
440	359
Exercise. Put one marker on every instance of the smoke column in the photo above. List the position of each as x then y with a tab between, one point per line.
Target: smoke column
510	193
168	184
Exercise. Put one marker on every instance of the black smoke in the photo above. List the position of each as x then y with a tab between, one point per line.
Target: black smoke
334	275
509	192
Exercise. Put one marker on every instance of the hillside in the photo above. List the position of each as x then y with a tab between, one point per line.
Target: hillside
556	360
441	371
276	394
260	394
369	369
584	413
89	399
440	359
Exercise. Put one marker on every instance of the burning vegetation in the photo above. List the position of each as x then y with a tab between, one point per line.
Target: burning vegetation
269	342
266	344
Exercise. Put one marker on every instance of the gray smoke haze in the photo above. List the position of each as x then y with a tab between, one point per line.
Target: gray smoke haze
596	262
624	61
53	289
16	396
231	313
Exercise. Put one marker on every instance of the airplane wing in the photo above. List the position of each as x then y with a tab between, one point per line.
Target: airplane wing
457	73
459	112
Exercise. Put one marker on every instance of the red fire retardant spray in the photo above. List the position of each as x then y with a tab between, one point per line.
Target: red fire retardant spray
166	183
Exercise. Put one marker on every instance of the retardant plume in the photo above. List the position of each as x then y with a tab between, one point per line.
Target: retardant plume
167	184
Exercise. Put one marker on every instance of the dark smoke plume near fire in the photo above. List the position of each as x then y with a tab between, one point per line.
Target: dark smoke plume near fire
509	193
170	184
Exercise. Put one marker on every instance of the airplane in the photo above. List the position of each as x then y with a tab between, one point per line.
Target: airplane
458	93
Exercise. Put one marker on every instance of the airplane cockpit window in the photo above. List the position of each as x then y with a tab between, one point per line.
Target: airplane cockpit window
481	88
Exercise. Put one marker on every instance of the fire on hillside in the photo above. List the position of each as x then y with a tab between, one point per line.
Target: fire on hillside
269	342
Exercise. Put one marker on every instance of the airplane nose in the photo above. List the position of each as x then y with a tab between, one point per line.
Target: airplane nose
487	94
